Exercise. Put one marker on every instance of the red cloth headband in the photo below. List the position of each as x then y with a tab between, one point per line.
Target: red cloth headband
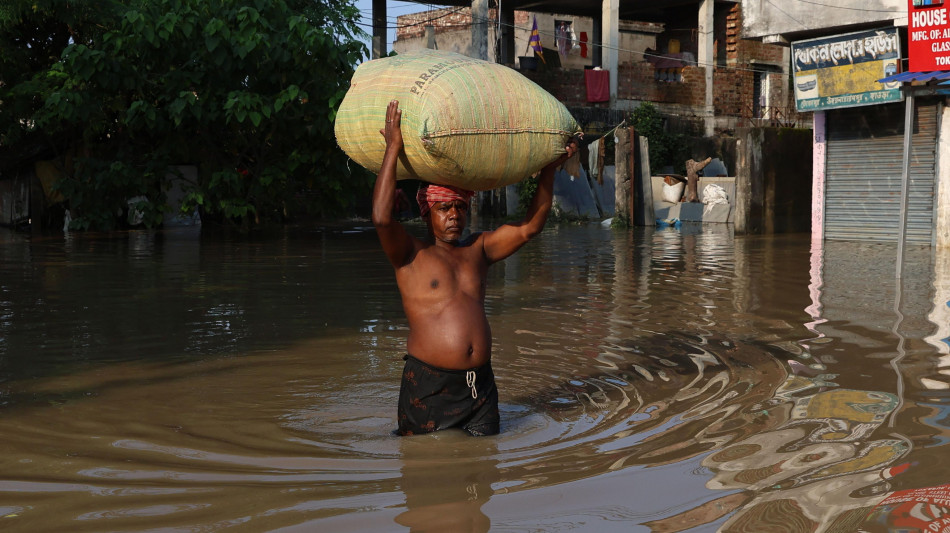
430	195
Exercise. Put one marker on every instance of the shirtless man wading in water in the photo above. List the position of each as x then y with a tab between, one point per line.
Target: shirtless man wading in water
447	381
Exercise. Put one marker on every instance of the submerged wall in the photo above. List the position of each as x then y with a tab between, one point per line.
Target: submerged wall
773	180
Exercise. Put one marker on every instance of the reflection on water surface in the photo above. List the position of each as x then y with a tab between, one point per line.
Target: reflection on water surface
656	380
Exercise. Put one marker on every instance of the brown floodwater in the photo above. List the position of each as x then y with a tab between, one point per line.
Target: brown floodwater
650	380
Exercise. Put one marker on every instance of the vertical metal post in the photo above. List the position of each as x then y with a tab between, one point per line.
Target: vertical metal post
596	38
819	151
379	29
507	53
610	37
480	29
905	180
707	61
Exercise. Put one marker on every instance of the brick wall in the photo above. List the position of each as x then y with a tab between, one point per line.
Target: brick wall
733	91
447	19
567	85
637	81
743	51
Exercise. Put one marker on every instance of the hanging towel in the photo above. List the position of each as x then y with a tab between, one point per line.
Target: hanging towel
593	156
598	85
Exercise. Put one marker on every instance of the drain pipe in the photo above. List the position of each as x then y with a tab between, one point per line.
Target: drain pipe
905	181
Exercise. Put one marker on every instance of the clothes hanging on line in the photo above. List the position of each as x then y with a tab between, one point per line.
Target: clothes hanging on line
594	158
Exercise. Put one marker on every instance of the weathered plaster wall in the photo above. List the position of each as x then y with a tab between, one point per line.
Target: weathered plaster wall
773	181
942	231
762	19
940	311
455	40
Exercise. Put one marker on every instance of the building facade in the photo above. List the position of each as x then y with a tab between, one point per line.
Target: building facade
860	124
713	79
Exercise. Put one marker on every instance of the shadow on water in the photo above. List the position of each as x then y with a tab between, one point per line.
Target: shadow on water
667	380
80	301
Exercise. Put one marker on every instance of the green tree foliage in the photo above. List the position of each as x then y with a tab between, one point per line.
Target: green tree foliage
33	35
246	90
649	122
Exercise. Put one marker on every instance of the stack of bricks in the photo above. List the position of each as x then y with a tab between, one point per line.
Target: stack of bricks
739	51
443	20
449	19
733	26
567	85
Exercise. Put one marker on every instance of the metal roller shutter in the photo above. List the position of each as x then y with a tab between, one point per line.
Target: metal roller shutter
863	173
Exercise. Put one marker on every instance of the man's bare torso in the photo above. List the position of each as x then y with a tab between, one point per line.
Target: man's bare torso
443	295
442	281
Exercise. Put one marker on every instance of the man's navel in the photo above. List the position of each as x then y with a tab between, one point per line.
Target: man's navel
434	284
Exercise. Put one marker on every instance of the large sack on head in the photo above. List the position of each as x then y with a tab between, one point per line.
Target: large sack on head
465	122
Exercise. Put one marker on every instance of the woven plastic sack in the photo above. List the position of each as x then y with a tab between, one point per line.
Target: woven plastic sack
465	122
673	193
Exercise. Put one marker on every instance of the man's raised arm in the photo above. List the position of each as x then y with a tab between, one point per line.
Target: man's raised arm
398	245
508	238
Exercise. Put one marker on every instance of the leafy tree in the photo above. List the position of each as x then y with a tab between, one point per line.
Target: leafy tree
33	35
649	122
245	89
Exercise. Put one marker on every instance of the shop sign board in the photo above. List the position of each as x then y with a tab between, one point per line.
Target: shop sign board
928	36
842	70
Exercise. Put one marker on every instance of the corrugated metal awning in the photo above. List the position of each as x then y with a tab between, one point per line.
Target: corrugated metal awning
917	76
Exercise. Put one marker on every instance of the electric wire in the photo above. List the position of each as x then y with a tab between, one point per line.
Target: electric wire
846	7
640	53
589	43
786	13
400	26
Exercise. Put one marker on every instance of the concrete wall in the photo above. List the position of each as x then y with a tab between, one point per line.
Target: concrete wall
773	182
576	198
669	212
761	20
459	41
721	149
942	230
451	31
